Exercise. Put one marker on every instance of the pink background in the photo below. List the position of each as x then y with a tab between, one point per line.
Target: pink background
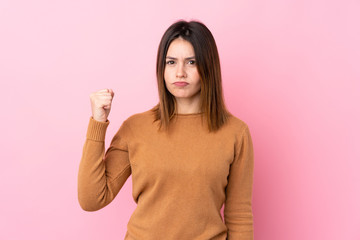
290	70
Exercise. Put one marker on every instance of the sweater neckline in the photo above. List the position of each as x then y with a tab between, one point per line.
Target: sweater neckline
188	114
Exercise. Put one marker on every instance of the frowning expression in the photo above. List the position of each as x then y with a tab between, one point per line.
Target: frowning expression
181	75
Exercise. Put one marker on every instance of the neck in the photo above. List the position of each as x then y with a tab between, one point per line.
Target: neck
186	105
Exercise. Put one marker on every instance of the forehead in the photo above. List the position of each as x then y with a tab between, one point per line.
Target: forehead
180	48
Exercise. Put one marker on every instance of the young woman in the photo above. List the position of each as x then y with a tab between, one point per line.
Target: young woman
187	155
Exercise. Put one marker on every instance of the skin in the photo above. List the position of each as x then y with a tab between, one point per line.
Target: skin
101	104
181	67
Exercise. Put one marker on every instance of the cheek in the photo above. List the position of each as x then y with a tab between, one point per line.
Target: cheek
167	79
167	74
196	76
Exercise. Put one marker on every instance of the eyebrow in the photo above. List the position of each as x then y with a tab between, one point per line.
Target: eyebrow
185	58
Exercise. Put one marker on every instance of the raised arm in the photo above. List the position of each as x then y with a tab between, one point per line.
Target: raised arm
101	178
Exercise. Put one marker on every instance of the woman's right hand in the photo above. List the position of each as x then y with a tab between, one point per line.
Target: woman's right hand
101	104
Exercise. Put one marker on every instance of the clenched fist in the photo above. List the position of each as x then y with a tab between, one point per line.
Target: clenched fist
101	104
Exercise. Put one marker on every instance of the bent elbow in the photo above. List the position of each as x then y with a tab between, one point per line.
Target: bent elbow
90	207
89	204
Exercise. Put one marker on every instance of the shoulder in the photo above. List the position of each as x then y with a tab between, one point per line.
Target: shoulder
133	124
236	124
241	131
139	119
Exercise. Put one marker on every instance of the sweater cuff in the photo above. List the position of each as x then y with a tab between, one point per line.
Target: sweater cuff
96	130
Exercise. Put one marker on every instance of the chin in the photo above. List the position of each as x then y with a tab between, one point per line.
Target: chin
180	95
183	97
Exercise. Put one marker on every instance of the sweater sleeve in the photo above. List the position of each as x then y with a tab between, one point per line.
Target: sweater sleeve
238	204
101	178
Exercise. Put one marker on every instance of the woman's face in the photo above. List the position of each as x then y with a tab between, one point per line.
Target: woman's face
181	75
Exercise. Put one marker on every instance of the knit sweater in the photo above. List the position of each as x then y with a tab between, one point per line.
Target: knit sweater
180	178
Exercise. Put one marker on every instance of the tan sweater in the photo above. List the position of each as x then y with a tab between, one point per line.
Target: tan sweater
180	179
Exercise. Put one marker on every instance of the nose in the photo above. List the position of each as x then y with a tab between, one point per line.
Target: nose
180	71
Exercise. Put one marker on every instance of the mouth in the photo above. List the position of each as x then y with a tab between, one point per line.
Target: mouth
181	84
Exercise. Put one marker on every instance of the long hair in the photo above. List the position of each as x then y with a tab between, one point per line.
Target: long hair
208	66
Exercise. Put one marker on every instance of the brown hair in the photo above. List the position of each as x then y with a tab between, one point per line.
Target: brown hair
208	66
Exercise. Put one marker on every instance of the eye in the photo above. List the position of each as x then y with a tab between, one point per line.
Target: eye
192	62
170	62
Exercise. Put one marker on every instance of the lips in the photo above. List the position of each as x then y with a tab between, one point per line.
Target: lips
180	84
